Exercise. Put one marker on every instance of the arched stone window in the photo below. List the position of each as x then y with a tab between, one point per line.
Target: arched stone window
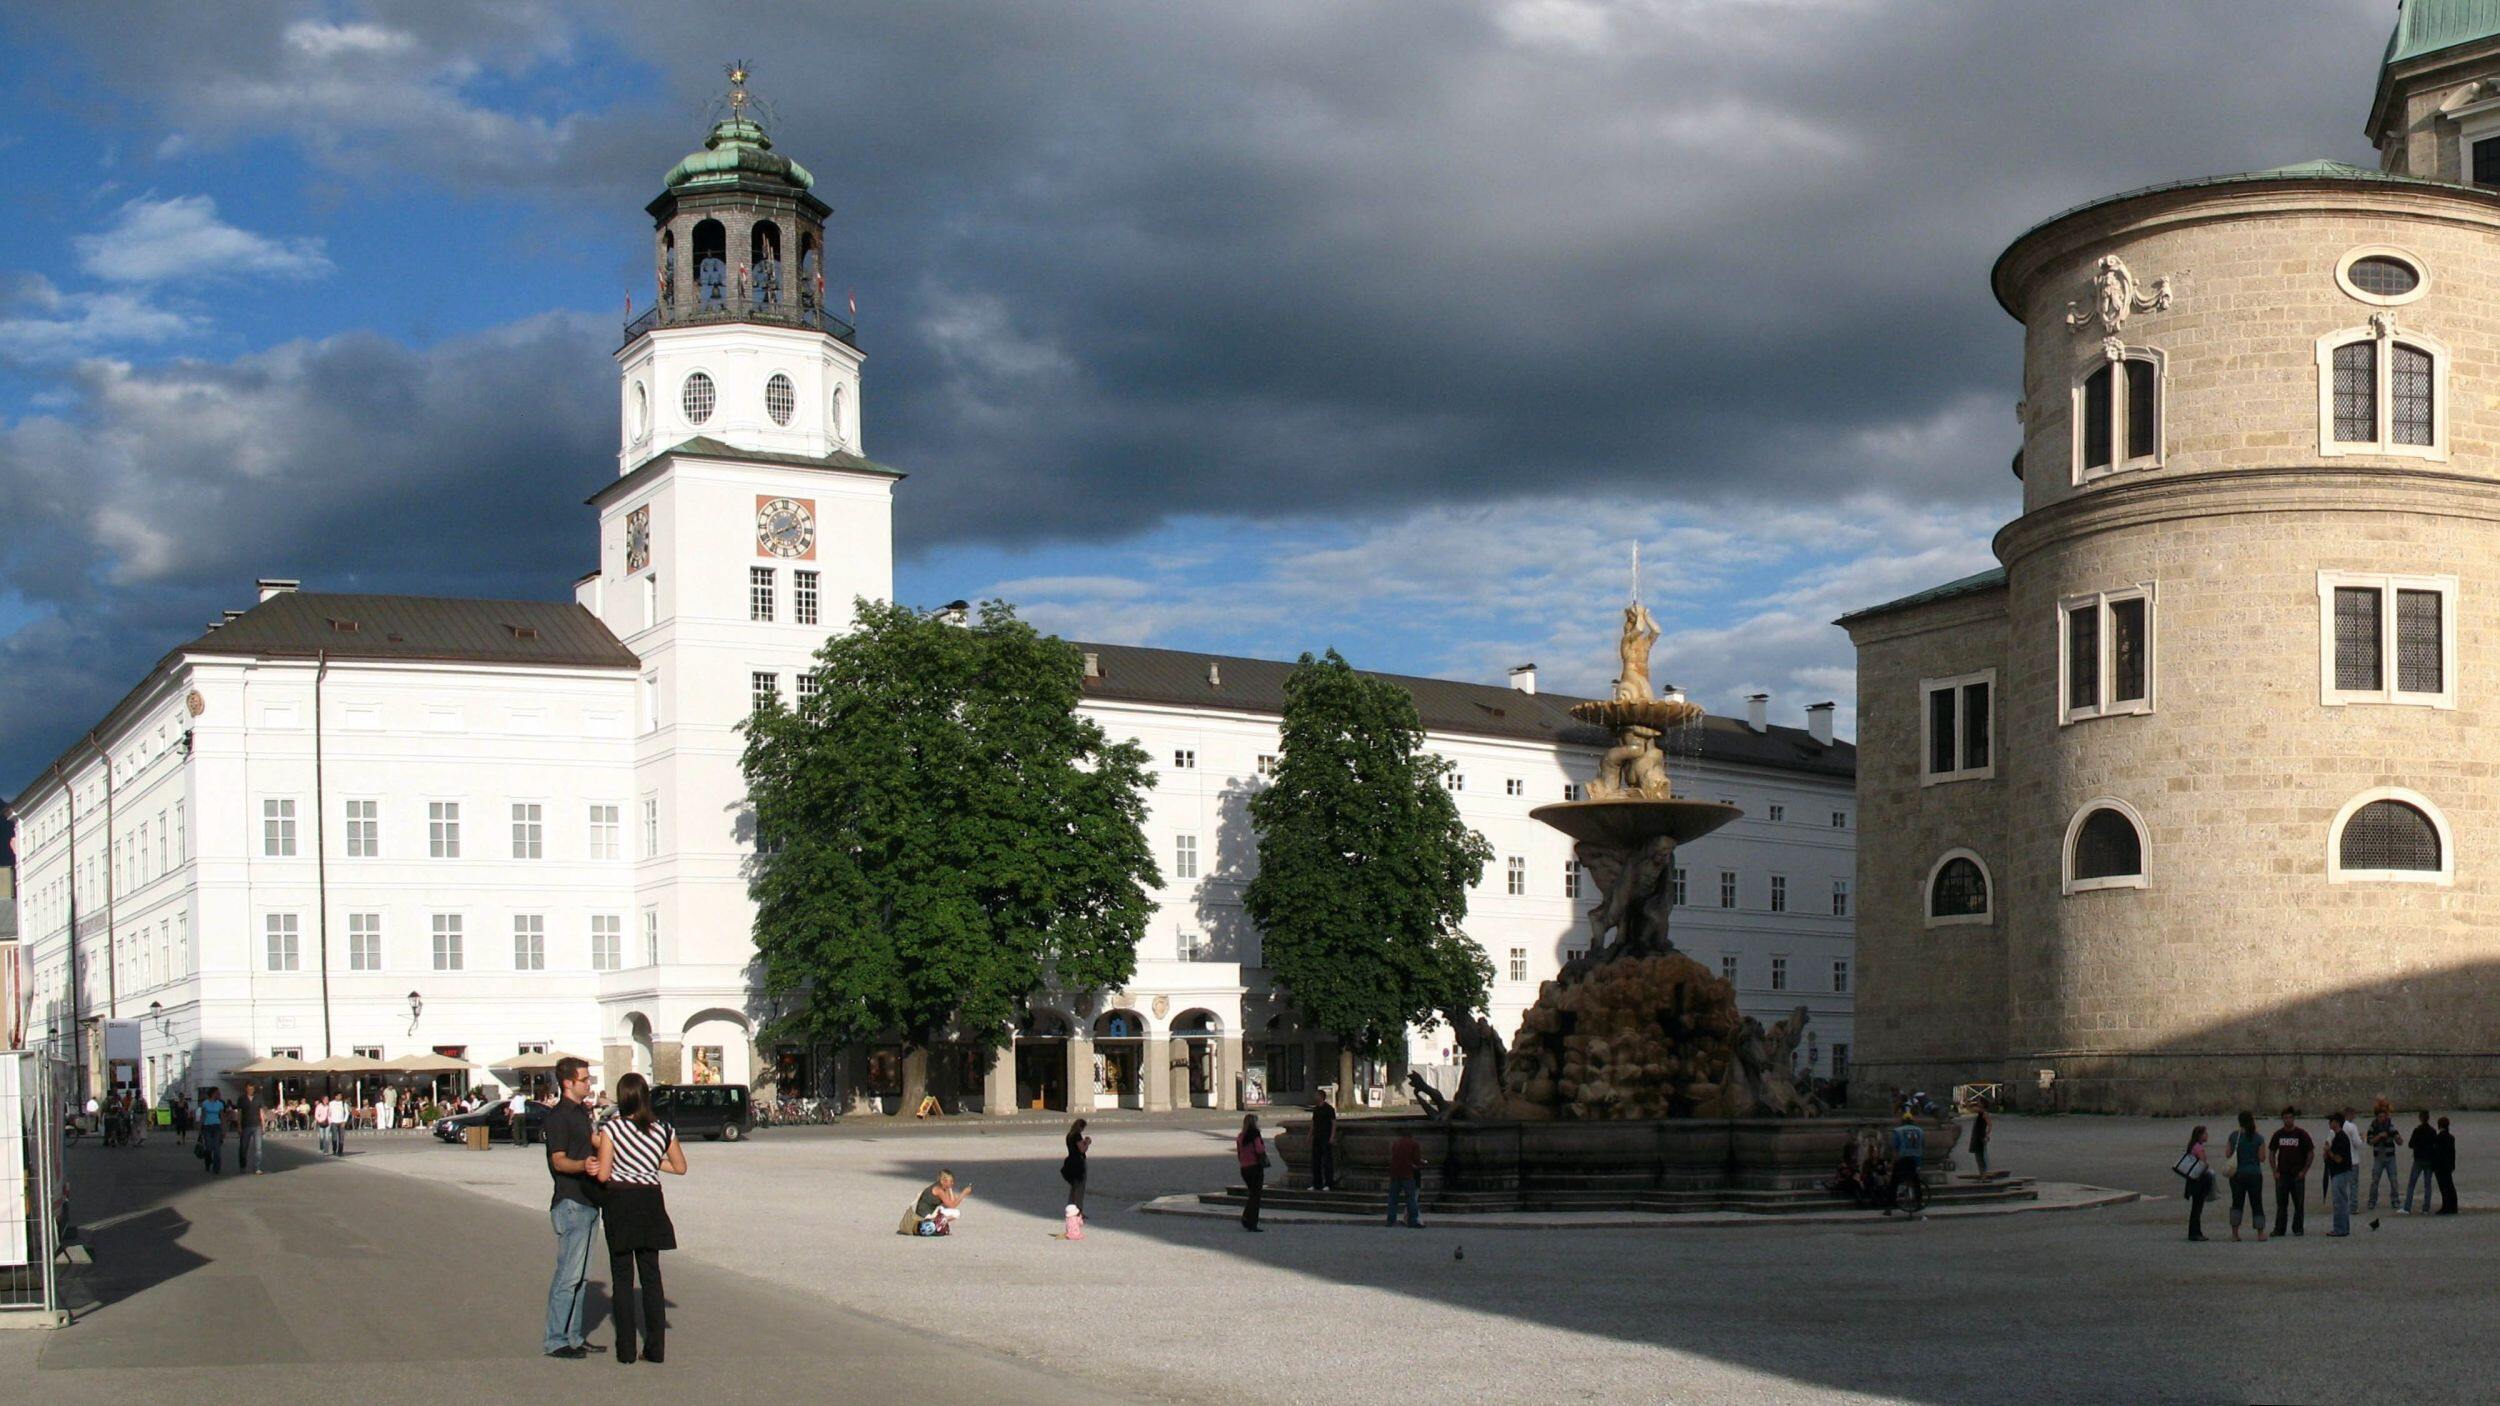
711	263
2105	847
2381	391
2118	409
764	263
2389	836
1959	891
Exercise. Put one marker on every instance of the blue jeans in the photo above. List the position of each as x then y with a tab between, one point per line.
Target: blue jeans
2382	1164
2343	1189
2422	1177
213	1137
574	1222
1410	1191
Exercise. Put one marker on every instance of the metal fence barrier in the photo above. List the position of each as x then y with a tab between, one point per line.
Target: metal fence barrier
33	1193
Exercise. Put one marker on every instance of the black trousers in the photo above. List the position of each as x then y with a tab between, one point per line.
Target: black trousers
1254	1179
1076	1195
2198	1194
634	1284
2291	1205
2447	1192
246	1150
1323	1165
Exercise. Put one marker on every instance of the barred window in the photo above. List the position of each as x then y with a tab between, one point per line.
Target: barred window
760	593
2108	847
2378	391
2389	835
2356	392
698	398
2388	638
2409	387
780	399
803	597
1958	890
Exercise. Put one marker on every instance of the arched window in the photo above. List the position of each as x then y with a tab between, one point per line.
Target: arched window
834	428
2118	412
2389	836
711	263
780	399
2105	847
1959	891
2381	391
764	260
811	271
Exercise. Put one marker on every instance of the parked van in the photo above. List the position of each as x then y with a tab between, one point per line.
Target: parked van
717	1112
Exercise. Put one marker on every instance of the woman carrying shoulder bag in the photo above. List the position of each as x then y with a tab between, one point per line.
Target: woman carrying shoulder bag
1250	1149
2200	1181
632	1149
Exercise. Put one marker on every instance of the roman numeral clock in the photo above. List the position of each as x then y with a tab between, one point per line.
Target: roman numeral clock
786	527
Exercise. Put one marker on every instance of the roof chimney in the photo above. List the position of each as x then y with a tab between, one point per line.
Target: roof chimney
231	615
1093	665
1215	674
1523	678
1758	711
276	586
1819	722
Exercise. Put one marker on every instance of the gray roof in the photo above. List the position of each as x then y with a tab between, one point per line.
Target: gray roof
1135	674
704	446
301	624
1992	579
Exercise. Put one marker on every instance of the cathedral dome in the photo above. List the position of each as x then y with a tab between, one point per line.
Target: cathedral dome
2428	26
737	147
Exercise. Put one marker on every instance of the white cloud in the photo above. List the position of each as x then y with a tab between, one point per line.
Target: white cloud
41	324
154	241
319	41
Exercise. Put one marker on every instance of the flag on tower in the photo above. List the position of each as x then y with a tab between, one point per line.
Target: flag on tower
854	305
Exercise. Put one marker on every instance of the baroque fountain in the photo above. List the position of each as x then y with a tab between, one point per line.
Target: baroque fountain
1634	1082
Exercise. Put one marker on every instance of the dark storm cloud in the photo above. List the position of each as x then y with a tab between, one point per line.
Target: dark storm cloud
1119	261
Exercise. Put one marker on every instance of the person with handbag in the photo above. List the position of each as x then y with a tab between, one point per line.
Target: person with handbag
2200	1181
2248	1175
1250	1150
1072	1169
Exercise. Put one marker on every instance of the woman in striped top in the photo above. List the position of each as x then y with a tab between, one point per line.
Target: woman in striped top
633	1148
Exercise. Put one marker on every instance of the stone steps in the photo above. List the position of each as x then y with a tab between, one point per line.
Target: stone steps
1959	1192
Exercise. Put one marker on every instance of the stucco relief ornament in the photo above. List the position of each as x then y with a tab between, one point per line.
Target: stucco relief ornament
2115	295
2383	324
1163	1006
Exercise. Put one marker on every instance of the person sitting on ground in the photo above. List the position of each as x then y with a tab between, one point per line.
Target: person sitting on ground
939	1206
1845	1182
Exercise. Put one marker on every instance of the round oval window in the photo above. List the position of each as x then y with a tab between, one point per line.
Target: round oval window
834	416
642	412
699	398
780	399
2383	276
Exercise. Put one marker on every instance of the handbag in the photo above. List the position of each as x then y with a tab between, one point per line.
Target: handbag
2191	1167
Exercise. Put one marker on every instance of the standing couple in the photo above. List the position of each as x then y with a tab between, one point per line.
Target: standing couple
614	1167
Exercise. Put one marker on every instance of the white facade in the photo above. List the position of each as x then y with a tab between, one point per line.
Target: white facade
595	901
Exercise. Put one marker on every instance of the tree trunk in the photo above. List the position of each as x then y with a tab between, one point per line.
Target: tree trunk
1395	1095
1345	1074
915	1076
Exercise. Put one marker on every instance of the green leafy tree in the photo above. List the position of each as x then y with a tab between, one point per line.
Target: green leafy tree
1364	866
943	835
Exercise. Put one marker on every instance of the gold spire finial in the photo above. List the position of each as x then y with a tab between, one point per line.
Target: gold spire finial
737	89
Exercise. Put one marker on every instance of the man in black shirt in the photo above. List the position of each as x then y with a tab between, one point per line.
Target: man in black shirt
2444	1146
2290	1150
574	1208
2425	1170
1323	1142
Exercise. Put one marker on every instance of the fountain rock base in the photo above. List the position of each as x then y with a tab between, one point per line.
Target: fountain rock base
1637	1037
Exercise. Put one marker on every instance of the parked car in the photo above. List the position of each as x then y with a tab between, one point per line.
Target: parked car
716	1112
496	1118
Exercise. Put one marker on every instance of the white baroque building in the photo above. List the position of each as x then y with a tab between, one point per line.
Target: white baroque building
337	824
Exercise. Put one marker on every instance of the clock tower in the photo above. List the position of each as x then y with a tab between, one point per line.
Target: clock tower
743	522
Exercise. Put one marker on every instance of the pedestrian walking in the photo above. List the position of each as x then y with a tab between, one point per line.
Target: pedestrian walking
1406	1179
246	1114
339	1119
2343	1174
1250	1150
2445	1148
2248	1180
213	1130
1071	1170
516	1119
633	1149
2384	1140
1324	1141
321	1127
1980	1126
2200	1181
139	1108
572	1208
2290	1149
2424	1172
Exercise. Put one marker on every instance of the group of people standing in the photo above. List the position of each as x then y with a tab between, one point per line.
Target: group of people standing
609	1171
2290	1150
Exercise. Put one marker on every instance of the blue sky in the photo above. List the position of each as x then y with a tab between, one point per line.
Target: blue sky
1274	328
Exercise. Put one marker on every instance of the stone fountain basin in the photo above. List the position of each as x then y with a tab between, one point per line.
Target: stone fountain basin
1629	823
1657	714
1671	1154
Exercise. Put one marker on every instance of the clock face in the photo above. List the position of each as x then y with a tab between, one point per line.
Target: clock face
637	539
785	527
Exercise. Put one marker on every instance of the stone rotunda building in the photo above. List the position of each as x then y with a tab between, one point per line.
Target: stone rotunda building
2194	803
